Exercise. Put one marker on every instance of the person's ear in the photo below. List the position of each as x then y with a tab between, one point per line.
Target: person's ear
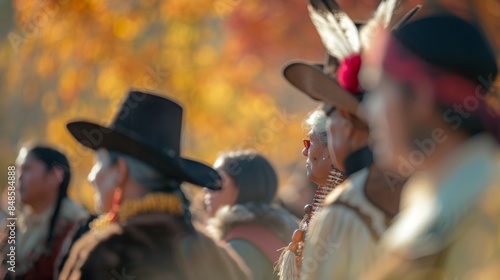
347	126
58	173
231	182
122	171
355	123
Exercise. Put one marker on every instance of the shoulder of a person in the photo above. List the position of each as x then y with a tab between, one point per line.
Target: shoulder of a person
329	218
489	202
220	260
83	247
89	240
73	211
356	180
241	245
253	257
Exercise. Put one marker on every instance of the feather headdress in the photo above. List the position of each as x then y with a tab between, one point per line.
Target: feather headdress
336	81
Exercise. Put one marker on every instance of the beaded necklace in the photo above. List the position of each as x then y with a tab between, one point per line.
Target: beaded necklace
289	264
153	202
335	178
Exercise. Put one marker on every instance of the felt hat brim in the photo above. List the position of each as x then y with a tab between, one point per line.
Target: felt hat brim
95	136
310	79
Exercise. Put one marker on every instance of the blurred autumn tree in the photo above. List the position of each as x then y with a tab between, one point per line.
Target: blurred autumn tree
62	60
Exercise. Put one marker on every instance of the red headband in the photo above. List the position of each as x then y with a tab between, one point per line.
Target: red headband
449	88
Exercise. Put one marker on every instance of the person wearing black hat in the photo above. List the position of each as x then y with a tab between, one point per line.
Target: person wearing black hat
342	239
433	112
145	228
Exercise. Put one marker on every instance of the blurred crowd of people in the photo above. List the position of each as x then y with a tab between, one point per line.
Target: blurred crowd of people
403	150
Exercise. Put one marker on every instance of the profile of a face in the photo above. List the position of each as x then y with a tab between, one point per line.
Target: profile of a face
103	177
227	195
33	178
318	163
37	182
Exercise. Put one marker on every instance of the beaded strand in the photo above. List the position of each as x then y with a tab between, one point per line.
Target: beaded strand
335	178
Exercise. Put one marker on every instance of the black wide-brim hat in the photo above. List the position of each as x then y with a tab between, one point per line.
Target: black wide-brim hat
148	128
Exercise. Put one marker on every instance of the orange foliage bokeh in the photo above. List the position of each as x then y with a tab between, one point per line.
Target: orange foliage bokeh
62	60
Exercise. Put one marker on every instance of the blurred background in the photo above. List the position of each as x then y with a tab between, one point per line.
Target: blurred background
65	60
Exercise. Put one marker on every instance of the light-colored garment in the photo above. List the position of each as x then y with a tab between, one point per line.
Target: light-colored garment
33	231
342	240
449	224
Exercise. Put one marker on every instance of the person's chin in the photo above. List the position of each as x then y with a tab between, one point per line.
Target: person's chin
98	207
208	209
311	178
308	168
308	174
212	211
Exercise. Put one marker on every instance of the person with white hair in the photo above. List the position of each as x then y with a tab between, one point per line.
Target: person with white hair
145	229
342	240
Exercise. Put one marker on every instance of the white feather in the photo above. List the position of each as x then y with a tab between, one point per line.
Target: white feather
337	31
381	19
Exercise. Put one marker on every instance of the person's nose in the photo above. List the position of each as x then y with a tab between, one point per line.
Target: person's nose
305	152
20	176
208	192
91	177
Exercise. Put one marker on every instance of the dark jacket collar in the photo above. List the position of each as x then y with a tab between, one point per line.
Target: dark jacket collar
358	160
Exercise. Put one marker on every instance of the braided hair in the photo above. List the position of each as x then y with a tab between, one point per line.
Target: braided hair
53	158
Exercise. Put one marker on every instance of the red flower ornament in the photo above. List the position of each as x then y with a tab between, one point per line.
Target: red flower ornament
347	75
